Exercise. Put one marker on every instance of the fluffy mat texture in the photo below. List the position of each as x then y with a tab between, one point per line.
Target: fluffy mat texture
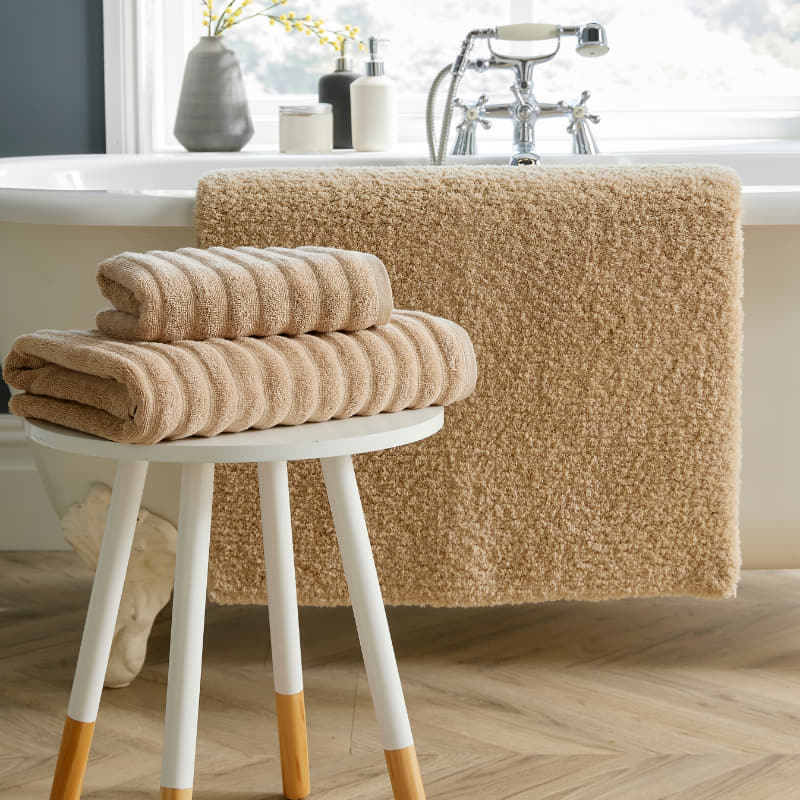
142	392
599	455
165	296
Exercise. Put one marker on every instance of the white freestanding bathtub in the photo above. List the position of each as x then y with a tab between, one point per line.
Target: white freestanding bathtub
60	216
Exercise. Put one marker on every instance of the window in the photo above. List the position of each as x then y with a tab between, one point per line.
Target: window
679	70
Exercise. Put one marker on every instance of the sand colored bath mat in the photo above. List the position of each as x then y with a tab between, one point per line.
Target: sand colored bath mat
599	455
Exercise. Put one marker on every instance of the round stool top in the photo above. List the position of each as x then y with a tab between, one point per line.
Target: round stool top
337	437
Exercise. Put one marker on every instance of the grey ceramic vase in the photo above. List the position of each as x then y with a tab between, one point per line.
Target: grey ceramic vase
212	110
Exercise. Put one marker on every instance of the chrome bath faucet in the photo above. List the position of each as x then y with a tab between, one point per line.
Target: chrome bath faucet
524	110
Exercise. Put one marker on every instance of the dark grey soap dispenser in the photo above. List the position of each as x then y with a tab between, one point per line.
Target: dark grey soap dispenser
334	88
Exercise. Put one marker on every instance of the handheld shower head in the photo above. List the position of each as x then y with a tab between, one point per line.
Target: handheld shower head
592	40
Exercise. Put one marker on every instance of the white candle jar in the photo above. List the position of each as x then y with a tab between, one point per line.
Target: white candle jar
306	129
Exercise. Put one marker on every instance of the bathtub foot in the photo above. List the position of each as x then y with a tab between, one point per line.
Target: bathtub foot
148	582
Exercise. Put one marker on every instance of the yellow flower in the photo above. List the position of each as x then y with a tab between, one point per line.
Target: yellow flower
232	11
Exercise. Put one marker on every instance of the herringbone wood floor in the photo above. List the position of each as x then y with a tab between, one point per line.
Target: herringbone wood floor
634	700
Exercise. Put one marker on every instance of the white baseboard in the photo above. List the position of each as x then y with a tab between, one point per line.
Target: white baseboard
28	521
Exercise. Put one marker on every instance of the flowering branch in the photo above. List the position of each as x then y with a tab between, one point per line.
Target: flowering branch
232	14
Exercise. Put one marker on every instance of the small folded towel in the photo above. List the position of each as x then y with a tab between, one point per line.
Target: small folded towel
197	294
144	392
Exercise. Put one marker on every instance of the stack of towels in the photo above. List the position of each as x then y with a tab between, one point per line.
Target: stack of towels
200	342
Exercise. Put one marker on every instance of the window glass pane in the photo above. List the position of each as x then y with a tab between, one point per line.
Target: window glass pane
702	55
424	36
672	52
679	52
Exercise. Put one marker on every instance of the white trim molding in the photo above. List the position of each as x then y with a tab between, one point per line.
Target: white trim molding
145	44
15	449
121	60
29	522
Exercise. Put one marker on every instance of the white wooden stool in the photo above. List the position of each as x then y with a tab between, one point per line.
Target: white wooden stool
331	442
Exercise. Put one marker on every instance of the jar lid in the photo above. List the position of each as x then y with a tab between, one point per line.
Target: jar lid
313	108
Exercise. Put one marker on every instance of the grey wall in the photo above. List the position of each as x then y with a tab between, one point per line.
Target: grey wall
51	90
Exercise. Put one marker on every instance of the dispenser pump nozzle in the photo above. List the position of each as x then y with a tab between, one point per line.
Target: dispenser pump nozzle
375	63
344	63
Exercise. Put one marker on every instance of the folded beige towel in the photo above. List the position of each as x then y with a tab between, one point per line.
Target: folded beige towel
144	392
221	292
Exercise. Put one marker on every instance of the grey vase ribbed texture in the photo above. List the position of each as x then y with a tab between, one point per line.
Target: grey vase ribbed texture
212	111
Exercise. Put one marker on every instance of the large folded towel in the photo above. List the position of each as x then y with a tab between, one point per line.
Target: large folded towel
202	294
144	392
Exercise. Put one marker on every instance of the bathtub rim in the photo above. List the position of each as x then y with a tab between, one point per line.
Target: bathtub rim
764	203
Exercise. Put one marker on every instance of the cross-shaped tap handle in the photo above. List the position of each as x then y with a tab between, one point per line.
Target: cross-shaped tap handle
579	112
474	113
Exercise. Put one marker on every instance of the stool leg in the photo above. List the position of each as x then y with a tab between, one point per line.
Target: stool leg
186	639
98	630
284	628
373	629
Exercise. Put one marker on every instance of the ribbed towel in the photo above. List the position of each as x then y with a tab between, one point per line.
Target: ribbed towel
165	296
144	392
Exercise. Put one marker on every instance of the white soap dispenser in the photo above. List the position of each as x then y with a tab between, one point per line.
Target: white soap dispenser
373	106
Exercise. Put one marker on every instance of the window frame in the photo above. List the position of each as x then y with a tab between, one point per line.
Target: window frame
141	72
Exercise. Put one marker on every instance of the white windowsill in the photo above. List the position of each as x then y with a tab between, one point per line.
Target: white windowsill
549	146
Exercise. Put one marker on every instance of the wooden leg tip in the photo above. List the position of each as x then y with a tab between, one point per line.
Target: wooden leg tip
72	757
404	774
175	794
291	712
